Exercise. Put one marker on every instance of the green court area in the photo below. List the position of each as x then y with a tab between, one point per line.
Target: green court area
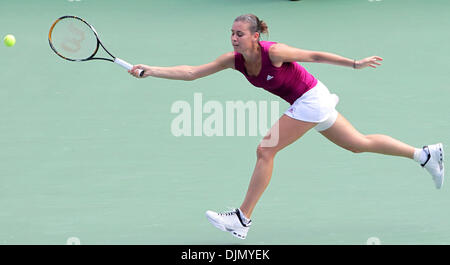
88	152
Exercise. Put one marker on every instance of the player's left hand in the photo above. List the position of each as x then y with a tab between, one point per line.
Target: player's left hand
372	61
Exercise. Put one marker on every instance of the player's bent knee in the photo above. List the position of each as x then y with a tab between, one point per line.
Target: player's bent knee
265	152
355	150
359	147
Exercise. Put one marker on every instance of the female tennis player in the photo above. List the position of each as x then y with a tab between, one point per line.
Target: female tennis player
273	66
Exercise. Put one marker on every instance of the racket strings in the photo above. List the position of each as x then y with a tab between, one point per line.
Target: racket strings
73	39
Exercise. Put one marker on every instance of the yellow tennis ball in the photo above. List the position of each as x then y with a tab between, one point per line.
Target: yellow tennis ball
9	40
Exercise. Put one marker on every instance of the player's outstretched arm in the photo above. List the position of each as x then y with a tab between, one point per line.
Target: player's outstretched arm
284	53
186	72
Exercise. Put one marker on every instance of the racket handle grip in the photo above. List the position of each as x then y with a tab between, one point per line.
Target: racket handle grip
127	66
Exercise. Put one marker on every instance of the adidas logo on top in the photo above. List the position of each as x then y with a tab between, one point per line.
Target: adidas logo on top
269	77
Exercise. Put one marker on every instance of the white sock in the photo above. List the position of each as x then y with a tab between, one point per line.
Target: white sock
420	155
243	217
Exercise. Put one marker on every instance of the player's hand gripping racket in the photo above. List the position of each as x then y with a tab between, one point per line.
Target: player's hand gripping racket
75	40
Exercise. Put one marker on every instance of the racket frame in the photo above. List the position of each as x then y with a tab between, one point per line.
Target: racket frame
96	48
114	59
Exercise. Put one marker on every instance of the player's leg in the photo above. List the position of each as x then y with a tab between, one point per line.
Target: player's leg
345	135
284	132
288	130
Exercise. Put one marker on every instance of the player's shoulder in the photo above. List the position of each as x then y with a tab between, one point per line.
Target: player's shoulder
277	48
228	55
226	59
277	51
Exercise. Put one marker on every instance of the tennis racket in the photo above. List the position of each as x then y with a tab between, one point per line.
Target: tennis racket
75	40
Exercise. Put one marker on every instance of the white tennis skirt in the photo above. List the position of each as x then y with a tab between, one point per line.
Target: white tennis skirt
316	105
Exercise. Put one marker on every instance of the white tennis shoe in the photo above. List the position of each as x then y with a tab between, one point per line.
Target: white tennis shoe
435	163
229	222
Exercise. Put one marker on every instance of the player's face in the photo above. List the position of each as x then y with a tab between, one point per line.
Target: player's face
241	37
